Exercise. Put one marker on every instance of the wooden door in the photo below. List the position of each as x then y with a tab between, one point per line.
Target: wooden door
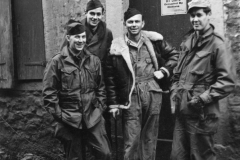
173	28
29	48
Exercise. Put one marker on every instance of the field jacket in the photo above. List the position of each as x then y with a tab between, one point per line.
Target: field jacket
73	92
205	68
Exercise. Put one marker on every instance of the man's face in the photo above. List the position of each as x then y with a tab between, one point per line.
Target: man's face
77	41
94	16
199	19
134	24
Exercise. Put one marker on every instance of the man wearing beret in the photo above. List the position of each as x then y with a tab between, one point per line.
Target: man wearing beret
74	93
138	62
203	76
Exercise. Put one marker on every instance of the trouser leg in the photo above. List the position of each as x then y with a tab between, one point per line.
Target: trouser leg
202	147
180	145
98	141
132	129
193	139
140	126
150	123
107	117
71	140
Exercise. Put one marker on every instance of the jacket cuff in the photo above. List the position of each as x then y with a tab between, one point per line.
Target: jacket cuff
163	68
206	98
113	106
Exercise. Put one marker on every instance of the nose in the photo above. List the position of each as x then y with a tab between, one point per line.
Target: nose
80	39
95	16
195	18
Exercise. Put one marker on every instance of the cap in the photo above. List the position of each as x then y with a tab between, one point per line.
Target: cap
199	4
74	27
93	4
130	13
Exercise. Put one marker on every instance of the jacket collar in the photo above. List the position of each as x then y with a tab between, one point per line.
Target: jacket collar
207	35
99	33
119	47
69	58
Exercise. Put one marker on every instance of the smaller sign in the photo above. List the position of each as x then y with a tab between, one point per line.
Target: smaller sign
173	7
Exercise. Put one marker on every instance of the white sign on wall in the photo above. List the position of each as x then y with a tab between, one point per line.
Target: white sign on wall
173	7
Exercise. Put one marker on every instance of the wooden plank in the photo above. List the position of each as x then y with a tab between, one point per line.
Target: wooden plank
29	36
6	50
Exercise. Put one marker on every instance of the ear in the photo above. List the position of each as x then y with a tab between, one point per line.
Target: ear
143	23
124	23
210	13
68	37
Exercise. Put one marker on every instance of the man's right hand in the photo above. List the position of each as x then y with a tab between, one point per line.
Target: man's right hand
114	111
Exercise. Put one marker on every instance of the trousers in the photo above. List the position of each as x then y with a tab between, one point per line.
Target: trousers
193	138
74	141
141	122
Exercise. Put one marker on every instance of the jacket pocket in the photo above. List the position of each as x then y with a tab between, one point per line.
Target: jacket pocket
201	63
68	75
91	77
71	114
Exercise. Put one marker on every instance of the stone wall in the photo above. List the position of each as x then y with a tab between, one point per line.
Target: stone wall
26	127
229	133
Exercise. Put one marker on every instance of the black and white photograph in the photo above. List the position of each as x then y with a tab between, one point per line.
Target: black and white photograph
119	79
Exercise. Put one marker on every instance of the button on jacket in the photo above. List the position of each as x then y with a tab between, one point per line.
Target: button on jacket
74	92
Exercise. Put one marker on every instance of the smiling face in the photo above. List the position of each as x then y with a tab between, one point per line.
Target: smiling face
199	19
77	42
134	25
94	16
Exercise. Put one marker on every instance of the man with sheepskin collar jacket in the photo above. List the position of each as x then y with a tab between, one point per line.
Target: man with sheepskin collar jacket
137	63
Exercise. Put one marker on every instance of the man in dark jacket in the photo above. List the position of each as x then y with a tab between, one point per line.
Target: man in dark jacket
134	69
74	93
99	39
203	76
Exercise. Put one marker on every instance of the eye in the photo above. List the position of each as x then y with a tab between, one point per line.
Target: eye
77	37
92	14
199	15
99	14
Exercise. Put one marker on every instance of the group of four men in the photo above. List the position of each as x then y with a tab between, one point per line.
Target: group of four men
94	75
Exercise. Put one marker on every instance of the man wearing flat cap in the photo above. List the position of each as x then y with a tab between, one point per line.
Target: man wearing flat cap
203	76
138	64
74	93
